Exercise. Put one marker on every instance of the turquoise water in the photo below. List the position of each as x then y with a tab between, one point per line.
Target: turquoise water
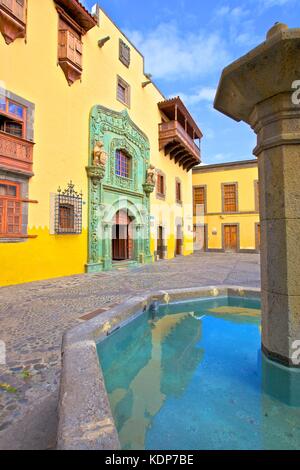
189	377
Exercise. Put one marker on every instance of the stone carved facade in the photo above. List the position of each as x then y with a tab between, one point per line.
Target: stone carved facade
109	192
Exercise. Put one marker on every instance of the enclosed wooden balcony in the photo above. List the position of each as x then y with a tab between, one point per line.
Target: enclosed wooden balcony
178	134
16	154
13	19
70	55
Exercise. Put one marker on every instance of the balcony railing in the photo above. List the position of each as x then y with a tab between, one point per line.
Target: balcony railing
173	132
16	153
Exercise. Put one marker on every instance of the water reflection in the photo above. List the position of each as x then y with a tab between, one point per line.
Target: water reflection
168	362
188	376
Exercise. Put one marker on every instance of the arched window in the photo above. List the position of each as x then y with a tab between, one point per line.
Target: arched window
123	164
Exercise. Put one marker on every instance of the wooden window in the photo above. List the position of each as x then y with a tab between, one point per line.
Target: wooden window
123	92
123	164
124	53
10	209
12	118
70	45
66	216
178	192
199	199
160	184
230	203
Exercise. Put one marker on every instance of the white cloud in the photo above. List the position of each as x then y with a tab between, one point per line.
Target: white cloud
173	54
238	25
204	94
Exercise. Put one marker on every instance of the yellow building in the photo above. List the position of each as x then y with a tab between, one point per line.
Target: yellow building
81	128
226	207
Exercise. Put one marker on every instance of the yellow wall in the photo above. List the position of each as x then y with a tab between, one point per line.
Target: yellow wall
29	69
247	216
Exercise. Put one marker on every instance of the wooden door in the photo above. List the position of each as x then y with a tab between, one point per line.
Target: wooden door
179	240
258	238
160	242
122	243
231	238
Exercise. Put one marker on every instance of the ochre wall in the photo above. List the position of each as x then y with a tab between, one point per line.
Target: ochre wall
61	134
247	216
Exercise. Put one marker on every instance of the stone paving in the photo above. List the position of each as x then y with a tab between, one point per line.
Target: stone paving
33	318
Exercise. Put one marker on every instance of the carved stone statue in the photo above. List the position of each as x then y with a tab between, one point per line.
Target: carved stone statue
100	156
151	175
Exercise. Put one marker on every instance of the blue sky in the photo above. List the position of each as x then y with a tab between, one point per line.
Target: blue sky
187	44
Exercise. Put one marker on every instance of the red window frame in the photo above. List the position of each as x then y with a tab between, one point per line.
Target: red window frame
8	203
13	116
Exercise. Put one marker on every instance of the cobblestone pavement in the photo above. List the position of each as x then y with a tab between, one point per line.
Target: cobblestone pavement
33	318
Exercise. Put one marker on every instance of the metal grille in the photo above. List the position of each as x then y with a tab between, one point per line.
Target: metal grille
68	211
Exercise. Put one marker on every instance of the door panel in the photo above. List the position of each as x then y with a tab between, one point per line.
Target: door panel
258	237
179	240
231	238
160	243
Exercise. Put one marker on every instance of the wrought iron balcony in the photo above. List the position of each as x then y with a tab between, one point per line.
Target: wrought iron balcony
16	154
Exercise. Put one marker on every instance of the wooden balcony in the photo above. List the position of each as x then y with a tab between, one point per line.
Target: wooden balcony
16	154
13	19
177	136
70	55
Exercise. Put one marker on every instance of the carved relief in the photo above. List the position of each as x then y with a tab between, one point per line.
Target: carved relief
100	156
117	132
151	175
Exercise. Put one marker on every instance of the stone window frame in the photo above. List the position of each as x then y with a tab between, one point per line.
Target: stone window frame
236	184
127	87
124	53
15	176
161	196
30	111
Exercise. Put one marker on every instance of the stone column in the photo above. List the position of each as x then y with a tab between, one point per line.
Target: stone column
257	89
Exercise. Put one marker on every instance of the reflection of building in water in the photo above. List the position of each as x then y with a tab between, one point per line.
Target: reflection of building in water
162	362
234	314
